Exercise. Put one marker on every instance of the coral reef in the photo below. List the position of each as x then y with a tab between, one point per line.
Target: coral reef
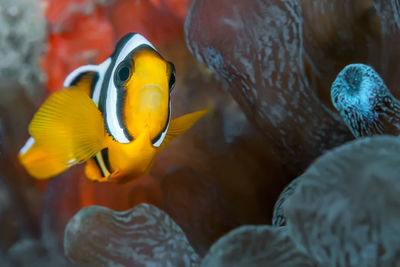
23	32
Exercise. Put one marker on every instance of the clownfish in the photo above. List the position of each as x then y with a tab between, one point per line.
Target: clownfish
115	116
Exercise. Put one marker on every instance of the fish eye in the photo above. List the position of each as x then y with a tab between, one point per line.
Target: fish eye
122	73
172	78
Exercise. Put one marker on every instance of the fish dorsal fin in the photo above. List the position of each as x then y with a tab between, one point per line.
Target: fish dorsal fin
76	76
86	81
89	78
181	125
69	126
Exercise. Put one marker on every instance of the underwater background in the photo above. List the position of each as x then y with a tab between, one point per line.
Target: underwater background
264	69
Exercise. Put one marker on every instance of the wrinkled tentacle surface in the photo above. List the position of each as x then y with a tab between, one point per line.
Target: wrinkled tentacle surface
344	211
141	236
256	245
278	217
256	50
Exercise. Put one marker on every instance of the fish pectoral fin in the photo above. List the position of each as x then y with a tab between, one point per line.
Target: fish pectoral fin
148	169
39	163
181	125
69	126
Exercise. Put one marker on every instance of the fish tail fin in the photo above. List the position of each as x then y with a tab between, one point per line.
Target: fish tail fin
38	161
180	125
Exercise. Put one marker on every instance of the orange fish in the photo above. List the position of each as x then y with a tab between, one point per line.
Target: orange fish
115	116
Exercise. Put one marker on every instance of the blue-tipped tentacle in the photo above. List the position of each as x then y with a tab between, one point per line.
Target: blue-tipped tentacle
364	102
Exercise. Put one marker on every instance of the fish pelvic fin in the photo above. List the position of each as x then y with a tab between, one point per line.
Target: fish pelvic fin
93	172
68	128
180	125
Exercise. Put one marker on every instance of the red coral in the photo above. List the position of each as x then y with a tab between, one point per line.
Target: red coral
74	39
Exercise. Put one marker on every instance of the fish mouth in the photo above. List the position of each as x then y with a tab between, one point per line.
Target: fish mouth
151	97
151	87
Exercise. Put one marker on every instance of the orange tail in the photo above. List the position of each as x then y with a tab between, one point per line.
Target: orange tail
38	161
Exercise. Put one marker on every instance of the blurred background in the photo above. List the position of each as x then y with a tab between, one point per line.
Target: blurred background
217	176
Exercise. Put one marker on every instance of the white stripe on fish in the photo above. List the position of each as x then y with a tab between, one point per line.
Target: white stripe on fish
112	119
